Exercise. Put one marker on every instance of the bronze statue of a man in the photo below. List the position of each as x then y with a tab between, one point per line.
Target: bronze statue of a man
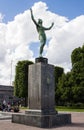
41	31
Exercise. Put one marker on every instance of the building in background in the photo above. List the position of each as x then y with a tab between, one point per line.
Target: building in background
6	93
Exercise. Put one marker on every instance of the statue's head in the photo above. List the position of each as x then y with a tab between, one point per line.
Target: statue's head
40	21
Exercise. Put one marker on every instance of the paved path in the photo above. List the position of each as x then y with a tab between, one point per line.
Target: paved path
77	124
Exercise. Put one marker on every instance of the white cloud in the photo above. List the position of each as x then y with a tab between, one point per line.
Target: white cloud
65	40
17	36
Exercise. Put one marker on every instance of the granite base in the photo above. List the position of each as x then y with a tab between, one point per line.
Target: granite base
42	121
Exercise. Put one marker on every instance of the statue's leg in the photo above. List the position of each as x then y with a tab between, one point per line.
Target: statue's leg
42	41
41	49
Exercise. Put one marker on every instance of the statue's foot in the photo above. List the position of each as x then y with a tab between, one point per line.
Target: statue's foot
40	55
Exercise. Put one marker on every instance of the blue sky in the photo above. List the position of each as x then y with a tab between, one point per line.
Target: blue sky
68	8
19	37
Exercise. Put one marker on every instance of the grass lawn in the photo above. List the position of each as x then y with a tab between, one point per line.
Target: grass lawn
63	108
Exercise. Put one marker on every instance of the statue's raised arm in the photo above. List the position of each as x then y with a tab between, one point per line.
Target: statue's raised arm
41	31
32	16
49	27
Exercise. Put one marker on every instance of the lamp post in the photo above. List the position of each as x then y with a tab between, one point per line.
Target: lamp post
11	73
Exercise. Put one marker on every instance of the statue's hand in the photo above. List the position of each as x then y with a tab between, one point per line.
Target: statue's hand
31	10
52	23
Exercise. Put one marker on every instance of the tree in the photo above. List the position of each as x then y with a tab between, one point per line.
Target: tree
21	80
58	73
77	71
70	87
76	55
65	89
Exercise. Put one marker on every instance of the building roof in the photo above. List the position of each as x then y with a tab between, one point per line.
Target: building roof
4	87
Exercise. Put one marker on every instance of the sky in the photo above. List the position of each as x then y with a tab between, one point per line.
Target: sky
19	38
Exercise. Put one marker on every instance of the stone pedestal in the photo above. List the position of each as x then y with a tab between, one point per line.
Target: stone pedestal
41	60
41	88
41	98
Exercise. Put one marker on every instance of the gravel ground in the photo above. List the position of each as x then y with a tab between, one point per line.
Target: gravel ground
77	124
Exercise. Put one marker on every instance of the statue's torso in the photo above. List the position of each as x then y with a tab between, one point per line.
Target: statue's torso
41	31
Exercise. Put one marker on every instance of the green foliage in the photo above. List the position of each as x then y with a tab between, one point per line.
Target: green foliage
78	74
21	79
58	73
70	87
76	55
64	88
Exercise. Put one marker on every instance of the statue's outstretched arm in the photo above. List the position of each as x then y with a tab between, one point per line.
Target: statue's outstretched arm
49	27
33	17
